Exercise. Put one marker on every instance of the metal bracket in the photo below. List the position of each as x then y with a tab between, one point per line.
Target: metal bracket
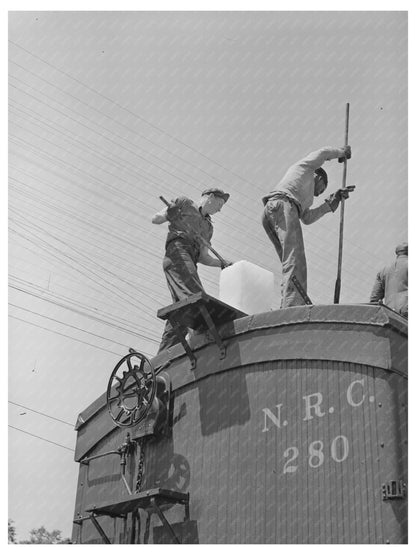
181	336
99	529
199	312
163	519
212	329
395	489
300	289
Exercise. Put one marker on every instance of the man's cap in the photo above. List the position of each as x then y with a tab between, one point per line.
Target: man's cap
402	248
217	193
322	173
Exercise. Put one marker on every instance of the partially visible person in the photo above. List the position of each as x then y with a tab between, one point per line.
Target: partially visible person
391	283
190	233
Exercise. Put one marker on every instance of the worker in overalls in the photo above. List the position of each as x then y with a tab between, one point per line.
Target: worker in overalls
289	204
391	283
190	230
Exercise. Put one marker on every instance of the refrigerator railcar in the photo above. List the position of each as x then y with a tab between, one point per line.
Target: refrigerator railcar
297	436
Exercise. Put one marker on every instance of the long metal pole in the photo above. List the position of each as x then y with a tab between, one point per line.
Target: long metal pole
341	221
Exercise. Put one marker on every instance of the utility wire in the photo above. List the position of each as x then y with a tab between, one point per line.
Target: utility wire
77	311
43	414
42	438
71	326
77	307
142	119
124	296
64	335
130	113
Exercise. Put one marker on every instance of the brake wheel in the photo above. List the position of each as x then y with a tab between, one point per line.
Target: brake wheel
131	390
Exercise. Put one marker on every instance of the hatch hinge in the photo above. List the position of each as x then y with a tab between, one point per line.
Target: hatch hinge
395	489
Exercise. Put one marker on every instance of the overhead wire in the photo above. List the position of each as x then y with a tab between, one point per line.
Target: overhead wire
90	176
114	256
104	114
60	161
318	254
130	112
95	316
72	326
64	335
42	414
42	438
108	285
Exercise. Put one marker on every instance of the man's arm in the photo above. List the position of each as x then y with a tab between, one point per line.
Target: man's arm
377	294
315	159
172	212
160	217
311	215
206	259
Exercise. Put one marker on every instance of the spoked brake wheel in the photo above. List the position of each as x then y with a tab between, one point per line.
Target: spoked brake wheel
131	390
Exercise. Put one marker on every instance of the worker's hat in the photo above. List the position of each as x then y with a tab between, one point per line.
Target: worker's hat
217	193
402	248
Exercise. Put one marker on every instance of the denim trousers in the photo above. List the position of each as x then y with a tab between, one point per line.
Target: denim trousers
281	223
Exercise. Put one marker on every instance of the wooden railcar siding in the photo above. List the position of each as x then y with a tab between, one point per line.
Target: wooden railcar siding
315	478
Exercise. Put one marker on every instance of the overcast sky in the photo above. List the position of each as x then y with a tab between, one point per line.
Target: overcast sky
109	110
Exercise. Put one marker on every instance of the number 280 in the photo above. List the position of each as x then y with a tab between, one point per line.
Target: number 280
316	454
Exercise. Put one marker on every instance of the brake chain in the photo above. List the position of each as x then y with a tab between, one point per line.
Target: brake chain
140	466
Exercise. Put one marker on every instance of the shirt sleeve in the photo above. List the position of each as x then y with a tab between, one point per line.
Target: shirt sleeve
182	202
377	294
311	215
315	159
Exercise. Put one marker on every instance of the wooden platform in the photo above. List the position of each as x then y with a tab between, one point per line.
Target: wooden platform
188	313
140	500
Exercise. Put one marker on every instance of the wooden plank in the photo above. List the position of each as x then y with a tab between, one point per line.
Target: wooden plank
187	311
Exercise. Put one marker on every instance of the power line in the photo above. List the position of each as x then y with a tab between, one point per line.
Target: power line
127	264
142	119
131	113
64	335
117	292
42	414
77	311
104	136
42	438
69	325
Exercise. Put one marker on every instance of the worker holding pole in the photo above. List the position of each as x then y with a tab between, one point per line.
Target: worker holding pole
187	244
288	204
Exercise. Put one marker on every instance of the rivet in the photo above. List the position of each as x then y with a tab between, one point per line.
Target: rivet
382	444
380	405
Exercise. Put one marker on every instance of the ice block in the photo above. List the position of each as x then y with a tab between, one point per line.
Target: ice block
247	286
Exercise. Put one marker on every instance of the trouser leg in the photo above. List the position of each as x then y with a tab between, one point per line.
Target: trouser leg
183	281
282	225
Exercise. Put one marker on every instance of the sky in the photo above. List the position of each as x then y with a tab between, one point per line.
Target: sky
109	110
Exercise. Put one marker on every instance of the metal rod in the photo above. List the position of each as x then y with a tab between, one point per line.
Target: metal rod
203	241
99	529
341	221
88	459
126	484
164	520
